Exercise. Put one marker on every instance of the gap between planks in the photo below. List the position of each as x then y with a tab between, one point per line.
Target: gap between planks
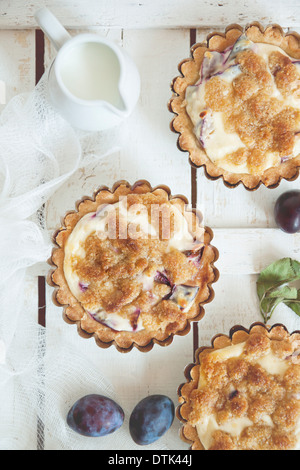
39	70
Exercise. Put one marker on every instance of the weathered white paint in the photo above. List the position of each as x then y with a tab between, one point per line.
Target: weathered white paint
148	151
151	13
248	251
17	64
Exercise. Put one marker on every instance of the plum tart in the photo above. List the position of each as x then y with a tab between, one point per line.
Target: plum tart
238	106
243	393
133	266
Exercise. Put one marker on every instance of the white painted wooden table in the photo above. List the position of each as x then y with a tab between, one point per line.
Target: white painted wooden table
157	34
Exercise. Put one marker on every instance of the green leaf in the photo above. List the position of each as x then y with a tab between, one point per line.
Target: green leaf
268	306
295	306
285	292
276	274
273	288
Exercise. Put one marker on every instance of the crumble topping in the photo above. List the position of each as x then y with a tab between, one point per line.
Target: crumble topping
246	107
135	264
248	396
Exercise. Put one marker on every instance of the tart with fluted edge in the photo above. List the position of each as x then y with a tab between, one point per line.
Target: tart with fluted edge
133	266
243	392
237	106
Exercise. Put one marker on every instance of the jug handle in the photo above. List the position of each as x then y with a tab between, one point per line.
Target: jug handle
52	28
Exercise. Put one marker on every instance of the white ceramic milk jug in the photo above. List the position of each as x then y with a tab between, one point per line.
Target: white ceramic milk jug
92	82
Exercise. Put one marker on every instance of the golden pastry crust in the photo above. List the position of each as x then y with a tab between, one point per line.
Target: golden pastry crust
240	387
245	86
111	269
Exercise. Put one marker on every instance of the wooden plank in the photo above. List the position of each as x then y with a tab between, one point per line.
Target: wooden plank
151	14
237	207
244	251
132	375
250	250
17	73
236	303
147	151
147	147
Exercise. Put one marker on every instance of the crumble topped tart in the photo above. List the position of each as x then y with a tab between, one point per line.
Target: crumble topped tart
133	266
244	393
238	106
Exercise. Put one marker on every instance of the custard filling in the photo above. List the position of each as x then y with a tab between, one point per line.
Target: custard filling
248	398
130	273
245	107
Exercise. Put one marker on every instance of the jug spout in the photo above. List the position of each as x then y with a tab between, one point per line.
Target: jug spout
116	105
